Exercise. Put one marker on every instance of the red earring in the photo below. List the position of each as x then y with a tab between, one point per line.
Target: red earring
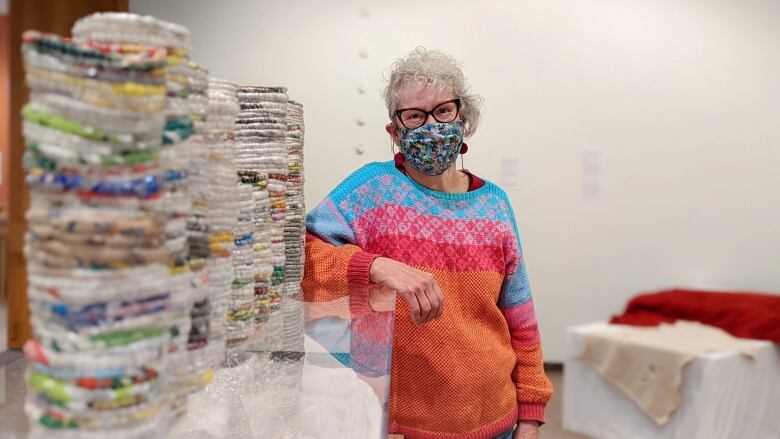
399	159
464	148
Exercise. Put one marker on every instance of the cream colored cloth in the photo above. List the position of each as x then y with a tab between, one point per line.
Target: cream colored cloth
647	362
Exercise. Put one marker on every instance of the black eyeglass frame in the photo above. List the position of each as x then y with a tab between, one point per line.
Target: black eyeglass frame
427	113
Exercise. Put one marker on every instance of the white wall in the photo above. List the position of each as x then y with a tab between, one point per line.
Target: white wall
676	101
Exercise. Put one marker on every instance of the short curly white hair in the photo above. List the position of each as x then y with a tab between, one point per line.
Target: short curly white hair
437	68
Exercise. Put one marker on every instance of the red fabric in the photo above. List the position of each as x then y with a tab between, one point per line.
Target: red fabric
474	181
742	314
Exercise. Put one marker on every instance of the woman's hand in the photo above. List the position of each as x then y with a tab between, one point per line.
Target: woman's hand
527	430
418	288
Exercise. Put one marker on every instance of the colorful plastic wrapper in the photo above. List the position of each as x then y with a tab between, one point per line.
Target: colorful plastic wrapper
183	158
202	350
261	158
222	202
100	248
294	230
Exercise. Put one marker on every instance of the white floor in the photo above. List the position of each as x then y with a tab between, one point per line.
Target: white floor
13	422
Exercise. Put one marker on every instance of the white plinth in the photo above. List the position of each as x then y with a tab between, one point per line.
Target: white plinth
724	396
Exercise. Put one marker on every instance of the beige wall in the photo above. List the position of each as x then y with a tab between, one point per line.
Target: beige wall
646	132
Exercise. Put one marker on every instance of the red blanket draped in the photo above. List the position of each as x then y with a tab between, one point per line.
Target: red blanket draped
742	314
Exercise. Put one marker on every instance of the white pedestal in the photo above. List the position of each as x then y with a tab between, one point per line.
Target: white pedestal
724	396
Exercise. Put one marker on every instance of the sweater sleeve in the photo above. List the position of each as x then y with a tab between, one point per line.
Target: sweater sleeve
335	266
516	303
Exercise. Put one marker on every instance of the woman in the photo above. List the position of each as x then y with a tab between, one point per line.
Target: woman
467	361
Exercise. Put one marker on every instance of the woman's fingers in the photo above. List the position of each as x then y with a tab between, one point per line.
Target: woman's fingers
423	296
414	306
425	304
435	296
433	299
440	296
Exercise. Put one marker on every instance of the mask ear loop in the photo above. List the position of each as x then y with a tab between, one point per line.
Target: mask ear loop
392	141
464	148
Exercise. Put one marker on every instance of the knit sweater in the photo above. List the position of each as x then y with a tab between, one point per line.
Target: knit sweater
478	369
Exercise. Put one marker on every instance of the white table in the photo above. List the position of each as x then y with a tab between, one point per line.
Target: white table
724	396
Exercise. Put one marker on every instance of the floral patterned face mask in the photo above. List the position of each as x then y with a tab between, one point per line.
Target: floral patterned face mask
433	147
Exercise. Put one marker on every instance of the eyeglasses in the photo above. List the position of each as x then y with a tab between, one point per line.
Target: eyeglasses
412	118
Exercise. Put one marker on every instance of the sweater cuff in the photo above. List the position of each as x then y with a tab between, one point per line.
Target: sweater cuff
358	271
359	279
531	412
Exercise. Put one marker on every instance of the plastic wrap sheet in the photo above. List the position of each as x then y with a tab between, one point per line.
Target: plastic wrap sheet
335	387
724	396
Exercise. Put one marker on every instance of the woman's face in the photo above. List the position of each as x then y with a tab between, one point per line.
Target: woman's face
422	96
